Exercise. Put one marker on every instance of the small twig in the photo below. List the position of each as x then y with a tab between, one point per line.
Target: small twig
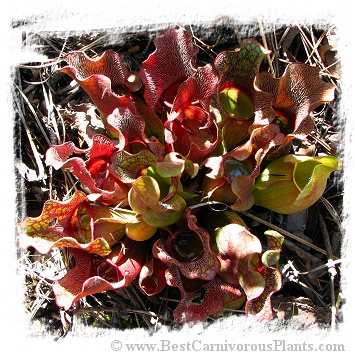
192	303
209	203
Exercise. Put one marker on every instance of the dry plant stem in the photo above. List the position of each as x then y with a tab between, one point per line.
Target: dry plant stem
275	54
315	47
331	269
92	44
96	312
50	43
314	50
306	44
95	309
136	298
242	312
261	27
50	112
319	140
63	126
288	234
51	63
210	48
69	177
30	88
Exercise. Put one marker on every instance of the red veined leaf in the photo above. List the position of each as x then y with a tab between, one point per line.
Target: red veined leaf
199	88
108	64
242	248
248	158
260	307
255	149
192	138
255	272
54	228
93	173
241	187
238	70
173	61
91	275
98	87
129	128
215	294
128	167
98	77
295	95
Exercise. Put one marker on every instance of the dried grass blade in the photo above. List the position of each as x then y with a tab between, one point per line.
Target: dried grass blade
261	27
34	115
315	46
41	172
50	112
331	211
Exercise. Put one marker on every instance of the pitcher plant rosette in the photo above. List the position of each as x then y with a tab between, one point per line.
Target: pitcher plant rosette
180	136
